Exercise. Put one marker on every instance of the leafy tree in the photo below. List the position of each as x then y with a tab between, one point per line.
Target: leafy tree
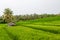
8	15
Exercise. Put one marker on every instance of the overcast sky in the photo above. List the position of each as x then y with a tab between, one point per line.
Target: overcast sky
30	6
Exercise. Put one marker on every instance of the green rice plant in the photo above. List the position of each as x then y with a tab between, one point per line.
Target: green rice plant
25	33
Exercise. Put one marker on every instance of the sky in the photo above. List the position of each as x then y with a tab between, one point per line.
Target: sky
22	7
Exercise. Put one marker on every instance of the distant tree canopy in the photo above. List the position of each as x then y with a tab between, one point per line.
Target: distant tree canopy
8	15
32	16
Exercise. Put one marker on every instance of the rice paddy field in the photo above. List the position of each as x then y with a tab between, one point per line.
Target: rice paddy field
39	29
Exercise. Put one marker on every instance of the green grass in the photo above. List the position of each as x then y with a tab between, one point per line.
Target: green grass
3	34
39	29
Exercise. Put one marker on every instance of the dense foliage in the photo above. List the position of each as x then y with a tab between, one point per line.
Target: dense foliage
24	17
33	16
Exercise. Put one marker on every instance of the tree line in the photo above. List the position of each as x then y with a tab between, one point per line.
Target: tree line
8	16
